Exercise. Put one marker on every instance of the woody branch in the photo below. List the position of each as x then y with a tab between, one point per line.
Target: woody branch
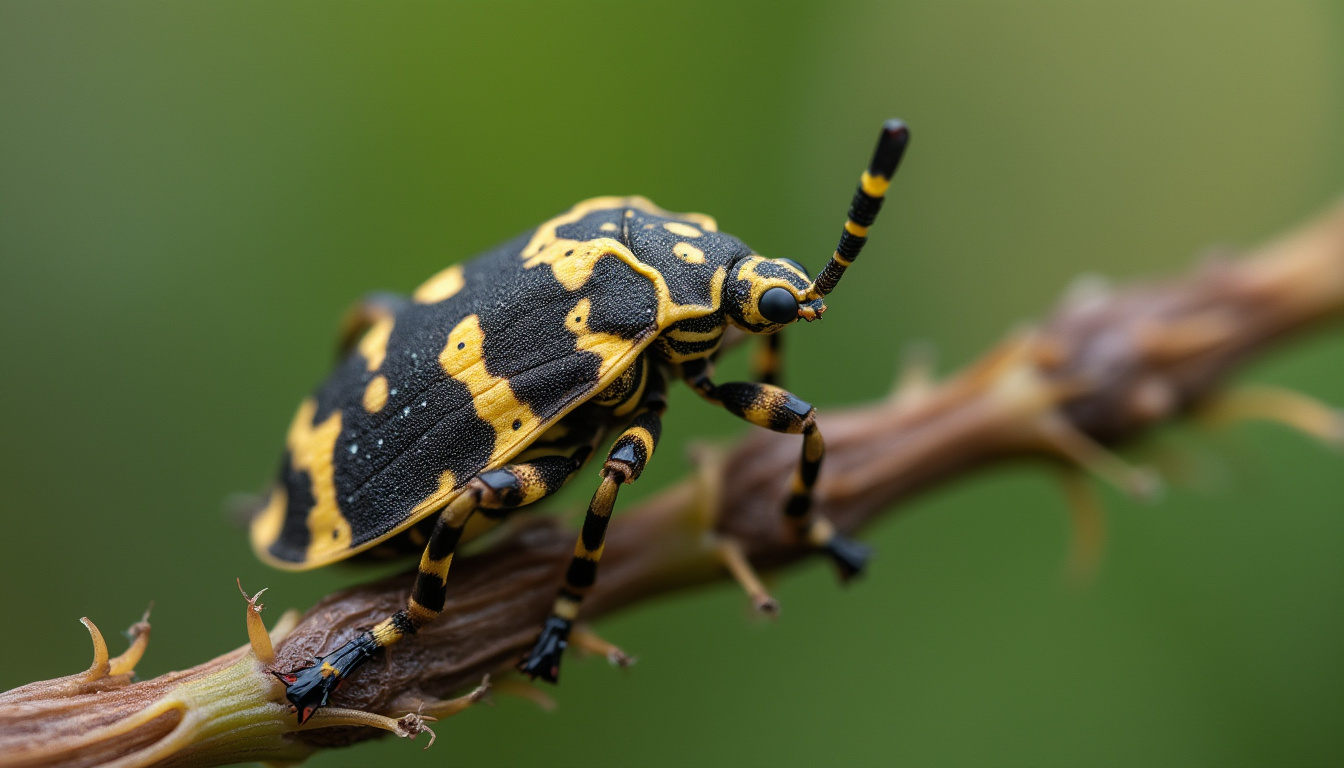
1103	368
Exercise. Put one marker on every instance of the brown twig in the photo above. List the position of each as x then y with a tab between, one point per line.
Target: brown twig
1103	368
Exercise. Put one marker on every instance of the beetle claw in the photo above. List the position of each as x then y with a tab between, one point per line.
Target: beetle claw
544	659
849	555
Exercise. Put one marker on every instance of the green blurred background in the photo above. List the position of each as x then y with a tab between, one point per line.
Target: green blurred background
191	194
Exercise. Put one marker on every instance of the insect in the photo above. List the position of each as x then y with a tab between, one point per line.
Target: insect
498	378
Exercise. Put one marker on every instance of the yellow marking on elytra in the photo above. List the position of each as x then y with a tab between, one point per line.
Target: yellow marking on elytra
609	227
329	671
312	448
612	349
442	286
374	344
682	230
375	394
446	492
874	186
546	247
265	527
855	229
572	261
689	253
546	233
463	359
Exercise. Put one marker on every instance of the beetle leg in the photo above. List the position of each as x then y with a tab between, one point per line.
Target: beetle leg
625	462
769	359
779	410
363	315
505	488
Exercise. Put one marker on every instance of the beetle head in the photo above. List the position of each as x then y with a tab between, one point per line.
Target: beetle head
763	295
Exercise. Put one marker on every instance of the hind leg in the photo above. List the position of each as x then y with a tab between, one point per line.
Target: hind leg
506	488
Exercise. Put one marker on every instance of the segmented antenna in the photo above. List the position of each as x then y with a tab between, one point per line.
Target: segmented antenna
863	210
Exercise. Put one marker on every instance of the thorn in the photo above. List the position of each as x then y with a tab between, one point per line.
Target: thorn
1088	524
139	636
708	461
252	601
1087	292
588	641
445	708
512	686
915	381
99	668
257	636
730	554
1280	405
1060	436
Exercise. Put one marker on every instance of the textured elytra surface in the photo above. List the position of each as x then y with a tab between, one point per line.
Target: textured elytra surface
514	339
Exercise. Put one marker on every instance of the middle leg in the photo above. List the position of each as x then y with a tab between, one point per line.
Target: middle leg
625	461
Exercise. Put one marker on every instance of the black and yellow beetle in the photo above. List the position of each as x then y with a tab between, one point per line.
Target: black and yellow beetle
496	380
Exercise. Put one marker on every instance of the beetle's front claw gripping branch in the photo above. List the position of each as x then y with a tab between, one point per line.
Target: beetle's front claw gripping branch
544	659
310	688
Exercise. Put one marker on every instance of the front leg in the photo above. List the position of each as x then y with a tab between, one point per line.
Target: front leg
779	410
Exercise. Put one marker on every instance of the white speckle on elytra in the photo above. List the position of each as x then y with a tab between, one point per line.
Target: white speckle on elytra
392	392
414	356
406	411
354	448
380	443
424	403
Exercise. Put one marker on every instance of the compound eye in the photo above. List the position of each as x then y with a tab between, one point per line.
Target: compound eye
779	306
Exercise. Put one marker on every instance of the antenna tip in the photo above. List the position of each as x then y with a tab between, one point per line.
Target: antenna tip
890	148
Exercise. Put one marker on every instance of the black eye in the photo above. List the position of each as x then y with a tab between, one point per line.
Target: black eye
798	266
779	306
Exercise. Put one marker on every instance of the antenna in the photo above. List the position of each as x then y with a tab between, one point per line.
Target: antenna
863	210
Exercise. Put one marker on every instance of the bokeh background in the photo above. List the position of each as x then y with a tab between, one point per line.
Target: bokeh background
191	194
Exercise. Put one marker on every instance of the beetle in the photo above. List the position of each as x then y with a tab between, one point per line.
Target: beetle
499	377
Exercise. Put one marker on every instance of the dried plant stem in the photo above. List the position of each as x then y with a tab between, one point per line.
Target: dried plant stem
1103	368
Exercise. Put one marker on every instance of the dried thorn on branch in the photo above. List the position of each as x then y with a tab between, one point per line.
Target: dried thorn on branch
586	640
1087	528
1294	410
257	635
524	689
100	666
